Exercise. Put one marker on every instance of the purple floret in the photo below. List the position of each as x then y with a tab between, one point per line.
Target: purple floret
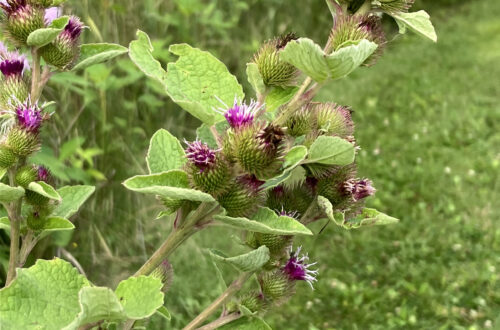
297	268
29	117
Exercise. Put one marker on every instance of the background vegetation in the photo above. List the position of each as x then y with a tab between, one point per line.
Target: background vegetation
428	119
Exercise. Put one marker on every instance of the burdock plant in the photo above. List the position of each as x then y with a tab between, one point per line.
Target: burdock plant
267	167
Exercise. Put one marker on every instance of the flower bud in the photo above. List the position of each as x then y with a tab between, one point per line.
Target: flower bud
333	119
23	139
276	244
259	149
277	286
165	273
13	87
242	197
35	221
207	169
394	6
351	29
273	70
65	48
359	189
7	157
21	18
33	198
171	204
26	174
255	302
299	123
296	198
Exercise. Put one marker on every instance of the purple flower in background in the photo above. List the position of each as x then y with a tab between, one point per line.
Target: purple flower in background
73	30
241	114
11	6
297	268
201	155
43	174
12	63
29	117
51	14
359	189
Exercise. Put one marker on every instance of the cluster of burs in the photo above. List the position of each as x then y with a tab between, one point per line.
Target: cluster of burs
21	116
252	147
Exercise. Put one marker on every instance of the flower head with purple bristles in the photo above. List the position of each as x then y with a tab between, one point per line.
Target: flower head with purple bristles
11	6
297	268
73	30
12	64
251	182
29	117
359	189
240	114
200	155
43	174
285	213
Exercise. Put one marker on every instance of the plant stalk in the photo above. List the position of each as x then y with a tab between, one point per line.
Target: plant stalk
14	214
36	78
217	303
223	320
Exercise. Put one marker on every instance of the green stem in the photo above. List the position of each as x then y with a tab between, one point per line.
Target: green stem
14	213
295	103
217	303
36	78
223	320
365	8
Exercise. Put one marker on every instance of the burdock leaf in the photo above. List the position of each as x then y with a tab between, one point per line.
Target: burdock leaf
327	207
165	153
52	224
91	54
140	296
370	217
9	194
308	57
73	198
140	52
44	296
279	96
45	36
255	78
266	221
44	189
247	323
172	184
197	79
419	22
331	150
293	159
247	262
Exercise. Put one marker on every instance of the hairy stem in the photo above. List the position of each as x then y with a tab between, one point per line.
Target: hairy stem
365	8
223	320
36	78
217	303
14	213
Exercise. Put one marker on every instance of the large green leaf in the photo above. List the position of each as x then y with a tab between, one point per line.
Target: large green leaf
140	52
370	217
247	262
279	96
91	54
52	224
419	22
44	36
331	150
44	296
205	134
44	189
171	184
326	206
9	194
197	79
293	159
140	296
266	221
73	198
310	58
97	303
247	323
165	153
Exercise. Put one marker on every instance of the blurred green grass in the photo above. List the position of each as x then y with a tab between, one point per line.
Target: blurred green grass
427	119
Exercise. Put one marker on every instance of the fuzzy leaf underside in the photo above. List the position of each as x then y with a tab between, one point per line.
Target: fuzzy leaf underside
247	323
165	153
197	79
370	217
10	194
140	52
44	189
279	96
308	57
44	296
73	198
293	159
266	221
331	150
247	262
140	296
172	184
91	54
419	22
255	79
45	36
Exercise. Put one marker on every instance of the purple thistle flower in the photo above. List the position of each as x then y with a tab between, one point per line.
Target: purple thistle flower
29	117
297	268
359	189
11	6
43	174
201	155
12	63
251	182
241	114
51	14
73	30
